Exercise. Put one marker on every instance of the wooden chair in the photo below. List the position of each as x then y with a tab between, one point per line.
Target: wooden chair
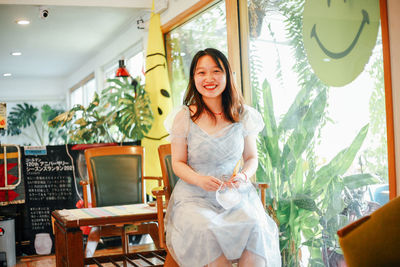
116	178
169	180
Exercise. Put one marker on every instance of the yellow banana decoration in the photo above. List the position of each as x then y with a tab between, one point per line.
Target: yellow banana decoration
158	88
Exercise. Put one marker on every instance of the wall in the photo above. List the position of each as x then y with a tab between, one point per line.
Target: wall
394	35
39	89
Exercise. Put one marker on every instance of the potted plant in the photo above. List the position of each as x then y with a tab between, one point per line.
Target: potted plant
121	113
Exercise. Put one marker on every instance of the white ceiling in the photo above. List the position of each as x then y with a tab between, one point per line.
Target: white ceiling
56	46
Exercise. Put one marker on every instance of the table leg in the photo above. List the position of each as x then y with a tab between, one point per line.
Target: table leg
69	246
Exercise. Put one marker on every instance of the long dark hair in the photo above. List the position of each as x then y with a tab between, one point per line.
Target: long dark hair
232	99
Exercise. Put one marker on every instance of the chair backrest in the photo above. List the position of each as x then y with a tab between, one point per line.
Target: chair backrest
115	175
169	177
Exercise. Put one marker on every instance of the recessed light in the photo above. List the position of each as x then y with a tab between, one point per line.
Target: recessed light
7	74
23	22
15	53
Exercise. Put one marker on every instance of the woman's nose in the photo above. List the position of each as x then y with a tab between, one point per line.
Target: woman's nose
209	76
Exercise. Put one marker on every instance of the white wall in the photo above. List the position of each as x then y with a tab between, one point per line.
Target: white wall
33	90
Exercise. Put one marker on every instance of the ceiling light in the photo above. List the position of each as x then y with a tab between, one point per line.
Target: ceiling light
23	22
122	71
7	74
15	53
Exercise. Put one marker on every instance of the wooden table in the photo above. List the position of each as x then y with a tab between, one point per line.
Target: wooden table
68	235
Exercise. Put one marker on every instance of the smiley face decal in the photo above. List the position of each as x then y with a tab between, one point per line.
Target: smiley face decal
339	36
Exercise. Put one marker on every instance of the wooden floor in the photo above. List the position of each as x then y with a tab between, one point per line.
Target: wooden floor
50	260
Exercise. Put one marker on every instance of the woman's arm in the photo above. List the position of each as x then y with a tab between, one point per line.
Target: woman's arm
186	173
250	159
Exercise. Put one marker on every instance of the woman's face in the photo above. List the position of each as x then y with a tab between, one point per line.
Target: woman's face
209	79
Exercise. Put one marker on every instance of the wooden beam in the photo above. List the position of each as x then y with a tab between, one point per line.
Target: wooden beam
388	100
232	28
244	51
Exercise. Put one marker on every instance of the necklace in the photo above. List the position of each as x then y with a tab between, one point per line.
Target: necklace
217	113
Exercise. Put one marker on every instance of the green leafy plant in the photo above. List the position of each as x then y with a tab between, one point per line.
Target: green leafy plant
129	108
309	201
121	113
305	199
84	125
21	116
55	135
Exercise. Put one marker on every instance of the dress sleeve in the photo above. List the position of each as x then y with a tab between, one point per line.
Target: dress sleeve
252	121
177	124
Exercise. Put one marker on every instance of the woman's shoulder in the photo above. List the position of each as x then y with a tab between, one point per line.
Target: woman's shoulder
178	116
252	120
185	112
248	111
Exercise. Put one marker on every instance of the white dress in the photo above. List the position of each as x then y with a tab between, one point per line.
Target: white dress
198	228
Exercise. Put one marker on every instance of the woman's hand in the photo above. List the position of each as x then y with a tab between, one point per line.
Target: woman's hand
209	183
237	180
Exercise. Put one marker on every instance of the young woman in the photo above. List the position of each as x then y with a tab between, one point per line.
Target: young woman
210	134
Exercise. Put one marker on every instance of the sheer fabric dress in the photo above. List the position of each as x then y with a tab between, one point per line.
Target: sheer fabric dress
198	228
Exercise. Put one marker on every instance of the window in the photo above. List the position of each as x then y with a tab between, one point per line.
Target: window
324	147
207	29
135	66
77	97
83	92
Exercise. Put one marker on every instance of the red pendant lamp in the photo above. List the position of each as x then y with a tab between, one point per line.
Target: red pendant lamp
122	71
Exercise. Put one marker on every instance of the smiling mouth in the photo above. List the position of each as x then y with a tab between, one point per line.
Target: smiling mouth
210	87
351	46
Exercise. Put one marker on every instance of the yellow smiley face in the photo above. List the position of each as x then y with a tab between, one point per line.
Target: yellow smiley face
339	36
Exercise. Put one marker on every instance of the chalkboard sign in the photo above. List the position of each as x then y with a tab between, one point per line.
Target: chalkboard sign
49	186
